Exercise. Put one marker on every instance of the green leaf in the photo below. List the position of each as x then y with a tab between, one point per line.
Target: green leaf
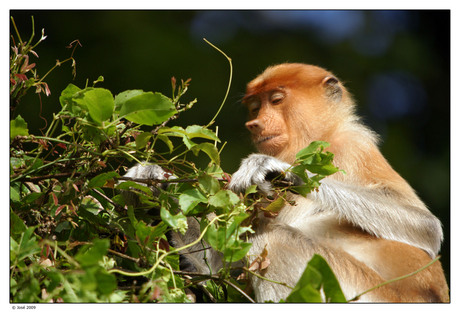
177	222
91	205
276	205
18	127
106	283
124	96
313	147
15	195
315	160
134	187
147	234
147	108
233	227
101	179
17	225
177	131
250	190
323	169
226	237
67	95
197	131
27	245
214	235
224	199
208	184
31	197
167	141
63	226
131	215
237	251
209	149
89	255
317	278
99	102
189	199
142	139
303	190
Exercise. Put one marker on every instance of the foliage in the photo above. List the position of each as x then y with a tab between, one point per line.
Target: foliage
20	66
317	284
75	238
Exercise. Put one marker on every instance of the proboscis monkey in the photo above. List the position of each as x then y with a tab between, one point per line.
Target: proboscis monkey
368	224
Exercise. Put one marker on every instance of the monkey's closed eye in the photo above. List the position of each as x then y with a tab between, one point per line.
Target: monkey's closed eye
253	107
277	97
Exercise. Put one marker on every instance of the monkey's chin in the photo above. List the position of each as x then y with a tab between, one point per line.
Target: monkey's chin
271	145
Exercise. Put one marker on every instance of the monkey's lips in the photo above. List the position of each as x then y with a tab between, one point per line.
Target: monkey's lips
260	140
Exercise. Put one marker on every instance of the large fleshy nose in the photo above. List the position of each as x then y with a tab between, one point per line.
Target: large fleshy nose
255	126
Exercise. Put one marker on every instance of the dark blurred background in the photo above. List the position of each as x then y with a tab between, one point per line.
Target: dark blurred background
396	63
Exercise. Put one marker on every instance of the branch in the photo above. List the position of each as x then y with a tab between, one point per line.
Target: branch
43	177
124	256
153	182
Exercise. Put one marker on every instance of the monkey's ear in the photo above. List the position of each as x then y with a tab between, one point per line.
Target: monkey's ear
332	88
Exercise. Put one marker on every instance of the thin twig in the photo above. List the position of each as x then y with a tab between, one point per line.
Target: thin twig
229	81
124	256
396	279
265	278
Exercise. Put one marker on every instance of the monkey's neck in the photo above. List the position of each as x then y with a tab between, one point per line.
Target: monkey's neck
358	155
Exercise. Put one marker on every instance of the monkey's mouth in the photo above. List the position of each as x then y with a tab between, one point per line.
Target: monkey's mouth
261	140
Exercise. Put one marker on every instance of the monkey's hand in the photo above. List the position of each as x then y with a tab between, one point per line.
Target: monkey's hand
261	170
149	171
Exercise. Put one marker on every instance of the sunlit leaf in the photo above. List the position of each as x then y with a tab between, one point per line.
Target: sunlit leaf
276	205
209	149
224	199
177	222
190	198
147	108
67	95
18	127
99	102
312	148
197	131
124	96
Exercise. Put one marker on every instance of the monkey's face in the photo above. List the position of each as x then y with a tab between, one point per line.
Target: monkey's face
266	123
291	105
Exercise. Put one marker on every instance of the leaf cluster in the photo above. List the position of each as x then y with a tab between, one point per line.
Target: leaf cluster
314	160
65	195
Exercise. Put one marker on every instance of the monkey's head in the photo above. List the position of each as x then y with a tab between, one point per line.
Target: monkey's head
291	105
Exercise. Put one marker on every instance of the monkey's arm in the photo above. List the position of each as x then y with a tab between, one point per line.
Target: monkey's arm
377	211
380	214
256	169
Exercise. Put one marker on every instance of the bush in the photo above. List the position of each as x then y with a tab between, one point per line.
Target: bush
74	238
